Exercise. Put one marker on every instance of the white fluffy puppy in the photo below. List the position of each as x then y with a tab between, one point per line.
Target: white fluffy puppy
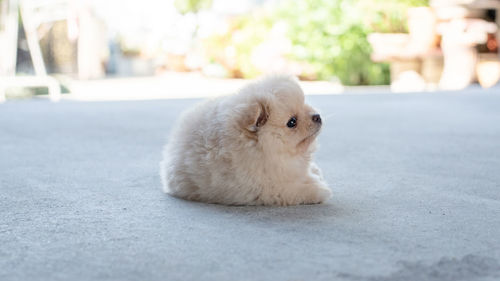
252	148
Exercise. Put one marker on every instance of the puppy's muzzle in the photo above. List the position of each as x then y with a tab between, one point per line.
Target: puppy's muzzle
316	118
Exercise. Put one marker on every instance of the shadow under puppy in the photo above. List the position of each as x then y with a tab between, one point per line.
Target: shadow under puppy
252	148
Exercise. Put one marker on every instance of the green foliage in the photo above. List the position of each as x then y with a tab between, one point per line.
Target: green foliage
191	6
244	34
329	37
388	16
249	33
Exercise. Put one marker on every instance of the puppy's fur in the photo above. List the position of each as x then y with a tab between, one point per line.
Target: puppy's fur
238	150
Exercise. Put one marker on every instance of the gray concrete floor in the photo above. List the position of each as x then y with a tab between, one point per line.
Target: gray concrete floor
416	181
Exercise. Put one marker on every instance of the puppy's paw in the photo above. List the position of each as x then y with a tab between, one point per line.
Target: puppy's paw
315	173
315	170
319	194
323	194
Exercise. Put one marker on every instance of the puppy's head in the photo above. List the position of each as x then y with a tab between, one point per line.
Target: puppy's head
274	114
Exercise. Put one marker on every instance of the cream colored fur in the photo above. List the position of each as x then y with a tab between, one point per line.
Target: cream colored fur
238	150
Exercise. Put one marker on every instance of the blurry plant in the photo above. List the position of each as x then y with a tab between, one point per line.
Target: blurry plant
192	6
331	37
233	49
388	16
328	38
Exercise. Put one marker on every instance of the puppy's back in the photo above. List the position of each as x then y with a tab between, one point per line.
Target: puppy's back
189	153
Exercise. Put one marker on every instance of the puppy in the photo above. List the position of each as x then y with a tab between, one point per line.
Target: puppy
252	148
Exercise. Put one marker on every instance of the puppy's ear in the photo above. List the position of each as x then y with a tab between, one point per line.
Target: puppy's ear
253	117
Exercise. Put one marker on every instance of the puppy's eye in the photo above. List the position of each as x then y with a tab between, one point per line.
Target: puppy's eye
292	122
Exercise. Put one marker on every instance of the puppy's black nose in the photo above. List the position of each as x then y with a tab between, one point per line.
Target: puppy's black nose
316	118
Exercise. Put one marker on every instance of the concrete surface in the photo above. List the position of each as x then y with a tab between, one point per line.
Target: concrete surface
416	181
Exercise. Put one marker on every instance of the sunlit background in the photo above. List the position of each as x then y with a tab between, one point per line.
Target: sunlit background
129	49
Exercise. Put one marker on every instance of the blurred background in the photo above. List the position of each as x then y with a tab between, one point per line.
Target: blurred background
130	49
